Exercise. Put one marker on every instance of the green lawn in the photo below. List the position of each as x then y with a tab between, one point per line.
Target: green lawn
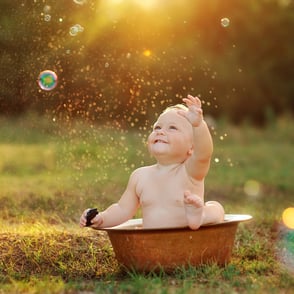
52	171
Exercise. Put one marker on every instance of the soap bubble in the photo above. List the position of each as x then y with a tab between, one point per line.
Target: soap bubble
225	22
47	80
74	30
47	17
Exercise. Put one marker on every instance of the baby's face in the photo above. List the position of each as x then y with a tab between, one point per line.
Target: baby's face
171	137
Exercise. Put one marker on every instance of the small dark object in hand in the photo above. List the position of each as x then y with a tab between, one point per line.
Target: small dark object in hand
90	215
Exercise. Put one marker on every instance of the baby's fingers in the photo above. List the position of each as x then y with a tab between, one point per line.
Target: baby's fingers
83	219
191	100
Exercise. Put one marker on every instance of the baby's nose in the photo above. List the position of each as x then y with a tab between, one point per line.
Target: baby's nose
160	131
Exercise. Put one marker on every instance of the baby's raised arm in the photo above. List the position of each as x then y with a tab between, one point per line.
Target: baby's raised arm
119	212
198	164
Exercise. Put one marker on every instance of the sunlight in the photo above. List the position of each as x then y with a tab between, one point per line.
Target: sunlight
114	13
146	4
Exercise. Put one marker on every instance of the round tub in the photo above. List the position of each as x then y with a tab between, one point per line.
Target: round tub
152	249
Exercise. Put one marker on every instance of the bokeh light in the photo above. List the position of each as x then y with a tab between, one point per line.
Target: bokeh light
288	217
147	52
252	188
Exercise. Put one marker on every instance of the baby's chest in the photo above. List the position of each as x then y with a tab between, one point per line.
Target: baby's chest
161	190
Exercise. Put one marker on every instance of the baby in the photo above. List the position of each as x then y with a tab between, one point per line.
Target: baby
170	192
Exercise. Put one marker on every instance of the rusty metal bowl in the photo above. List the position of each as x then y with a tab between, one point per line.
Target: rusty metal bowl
144	250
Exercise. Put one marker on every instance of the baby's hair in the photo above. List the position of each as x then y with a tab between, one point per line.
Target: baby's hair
176	107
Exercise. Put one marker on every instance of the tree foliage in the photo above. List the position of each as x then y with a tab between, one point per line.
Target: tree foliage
127	62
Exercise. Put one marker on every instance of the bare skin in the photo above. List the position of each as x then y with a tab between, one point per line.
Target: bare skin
170	192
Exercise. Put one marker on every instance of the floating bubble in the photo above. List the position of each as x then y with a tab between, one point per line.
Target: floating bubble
74	30
252	188
225	22
47	80
47	17
288	217
80	2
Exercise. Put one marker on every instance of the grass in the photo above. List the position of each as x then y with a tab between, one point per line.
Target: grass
51	171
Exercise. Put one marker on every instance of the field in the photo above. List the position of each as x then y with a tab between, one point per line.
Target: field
51	171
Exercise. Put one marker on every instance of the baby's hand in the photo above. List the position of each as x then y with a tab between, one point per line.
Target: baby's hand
194	115
96	222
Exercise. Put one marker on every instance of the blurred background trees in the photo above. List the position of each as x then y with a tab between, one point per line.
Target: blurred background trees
132	58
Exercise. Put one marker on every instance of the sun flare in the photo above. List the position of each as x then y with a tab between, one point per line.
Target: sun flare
146	4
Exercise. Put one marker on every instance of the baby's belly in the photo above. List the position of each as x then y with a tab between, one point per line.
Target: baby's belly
164	218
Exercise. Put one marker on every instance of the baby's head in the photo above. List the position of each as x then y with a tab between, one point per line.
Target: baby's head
172	135
176	107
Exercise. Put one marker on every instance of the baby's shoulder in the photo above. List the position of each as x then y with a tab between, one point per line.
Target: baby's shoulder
143	170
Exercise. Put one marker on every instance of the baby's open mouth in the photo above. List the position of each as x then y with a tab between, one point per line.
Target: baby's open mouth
159	141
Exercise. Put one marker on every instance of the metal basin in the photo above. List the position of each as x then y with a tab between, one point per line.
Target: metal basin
167	248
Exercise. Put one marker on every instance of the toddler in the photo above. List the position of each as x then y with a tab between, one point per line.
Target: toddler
170	192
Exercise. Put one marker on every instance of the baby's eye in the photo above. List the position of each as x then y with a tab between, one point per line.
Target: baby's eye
157	128
173	128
